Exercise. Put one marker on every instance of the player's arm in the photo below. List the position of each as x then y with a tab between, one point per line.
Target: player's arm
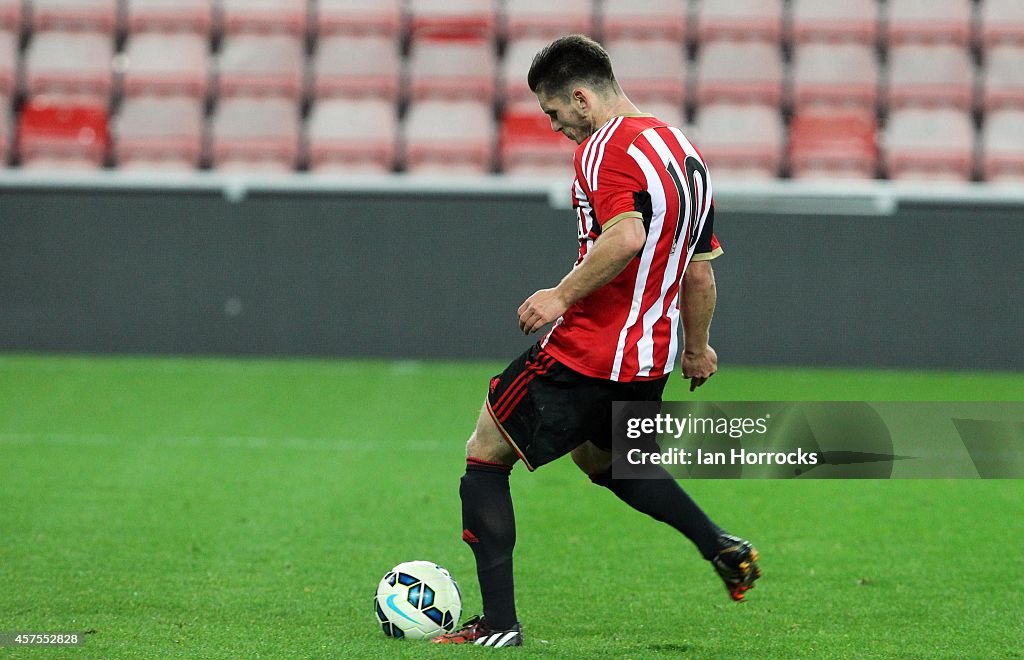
697	298
612	251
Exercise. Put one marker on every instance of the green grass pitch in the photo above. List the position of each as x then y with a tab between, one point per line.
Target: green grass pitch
203	508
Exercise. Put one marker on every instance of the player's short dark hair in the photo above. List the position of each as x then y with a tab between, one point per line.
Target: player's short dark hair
570	60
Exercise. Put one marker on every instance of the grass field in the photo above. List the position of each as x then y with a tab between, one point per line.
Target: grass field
246	509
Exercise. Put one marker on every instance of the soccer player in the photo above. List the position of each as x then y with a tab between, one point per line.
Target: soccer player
643	202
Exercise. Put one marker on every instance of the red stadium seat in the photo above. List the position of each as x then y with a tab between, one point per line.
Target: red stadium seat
740	141
933	21
849	20
740	20
929	144
650	70
8	64
1001	21
514	69
70	65
940	75
543	18
265	16
835	74
451	137
1002	146
149	70
169	16
739	72
98	15
454	18
262	65
645	19
832	143
528	146
359	17
453	68
362	65
1003	77
65	136
354	136
255	134
11	14
159	132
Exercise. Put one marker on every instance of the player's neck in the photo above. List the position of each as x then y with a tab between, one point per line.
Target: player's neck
617	107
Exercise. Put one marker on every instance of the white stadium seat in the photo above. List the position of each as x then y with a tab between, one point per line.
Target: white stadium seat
159	132
255	134
162	63
453	137
357	136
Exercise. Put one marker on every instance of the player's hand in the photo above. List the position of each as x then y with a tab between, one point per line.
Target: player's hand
541	308
699	366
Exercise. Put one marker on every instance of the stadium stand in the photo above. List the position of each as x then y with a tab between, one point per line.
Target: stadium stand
850	20
453	68
930	75
70	65
352	136
544	18
1000	22
359	17
8	65
645	19
62	137
6	128
1002	82
528	146
833	143
11	12
739	72
357	65
1002	146
929	144
514	67
449	136
746	140
840	74
740	20
670	113
169	16
159	132
262	65
255	134
933	21
453	18
148	70
265	16
665	82
95	15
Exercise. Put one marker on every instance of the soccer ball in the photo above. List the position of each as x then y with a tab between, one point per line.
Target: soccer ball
417	600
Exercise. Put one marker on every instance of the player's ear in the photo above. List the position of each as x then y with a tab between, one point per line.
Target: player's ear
580	100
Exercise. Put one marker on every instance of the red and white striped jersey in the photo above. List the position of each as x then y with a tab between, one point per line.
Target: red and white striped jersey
635	166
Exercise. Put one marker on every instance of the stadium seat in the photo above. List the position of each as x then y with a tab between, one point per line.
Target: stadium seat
262	65
921	75
739	20
1003	77
255	134
62	136
1002	146
97	15
11	14
169	16
739	72
359	17
347	135
645	19
850	20
70	65
929	144
1001	21
670	113
159	132
543	18
8	64
528	146
453	68
265	16
464	19
455	137
6	131
163	63
837	74
357	65
741	141
833	143
514	68
932	21
665	81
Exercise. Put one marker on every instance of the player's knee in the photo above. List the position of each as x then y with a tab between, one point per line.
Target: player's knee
592	461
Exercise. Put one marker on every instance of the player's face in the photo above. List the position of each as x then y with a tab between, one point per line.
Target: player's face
565	118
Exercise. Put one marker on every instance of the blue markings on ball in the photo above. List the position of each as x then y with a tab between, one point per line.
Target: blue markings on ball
448	623
428	597
415	594
406	579
434	615
390	579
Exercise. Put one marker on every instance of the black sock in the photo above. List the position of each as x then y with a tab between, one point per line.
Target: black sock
489	527
663	499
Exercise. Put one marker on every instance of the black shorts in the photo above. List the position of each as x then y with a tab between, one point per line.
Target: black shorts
545	409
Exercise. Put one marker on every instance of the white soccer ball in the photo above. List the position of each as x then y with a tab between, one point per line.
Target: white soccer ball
417	600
